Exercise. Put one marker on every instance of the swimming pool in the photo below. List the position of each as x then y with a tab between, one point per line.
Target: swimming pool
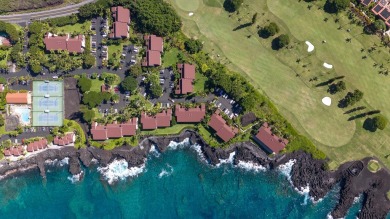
24	114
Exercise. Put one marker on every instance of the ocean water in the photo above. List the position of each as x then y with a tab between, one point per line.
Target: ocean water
176	184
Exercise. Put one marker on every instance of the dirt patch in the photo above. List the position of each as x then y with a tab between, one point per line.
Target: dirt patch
248	119
72	99
11	123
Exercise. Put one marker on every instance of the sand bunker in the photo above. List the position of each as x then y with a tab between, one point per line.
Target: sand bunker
190	14
327	101
328	66
310	46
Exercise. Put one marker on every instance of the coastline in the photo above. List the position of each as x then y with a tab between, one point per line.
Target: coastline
306	173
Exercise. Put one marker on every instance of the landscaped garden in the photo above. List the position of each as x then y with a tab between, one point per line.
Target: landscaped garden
290	76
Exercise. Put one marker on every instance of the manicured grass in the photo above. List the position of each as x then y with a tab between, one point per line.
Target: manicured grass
207	136
200	81
77	28
96	85
3	62
173	130
188	5
274	73
373	166
170	57
117	49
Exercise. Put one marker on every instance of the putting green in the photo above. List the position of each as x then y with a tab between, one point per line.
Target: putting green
188	5
373	166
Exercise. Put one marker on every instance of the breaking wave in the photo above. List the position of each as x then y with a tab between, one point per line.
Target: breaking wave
250	166
59	163
76	178
165	172
119	170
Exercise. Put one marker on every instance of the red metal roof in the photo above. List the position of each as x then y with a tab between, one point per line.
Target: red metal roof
120	30
121	14
268	139
7	152
153	58
104	132
66	42
162	119
190	115
65	140
224	131
154	43
114	131
188	71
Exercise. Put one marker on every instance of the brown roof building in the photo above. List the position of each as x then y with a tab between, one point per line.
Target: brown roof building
190	115
120	28
18	98
154	48
269	141
54	42
37	145
187	74
160	120
224	131
381	9
115	130
69	138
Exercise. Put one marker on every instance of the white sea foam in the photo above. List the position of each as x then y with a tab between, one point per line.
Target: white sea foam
94	161
329	216
75	178
285	169
165	172
250	166
119	170
228	160
57	162
186	143
305	192
154	151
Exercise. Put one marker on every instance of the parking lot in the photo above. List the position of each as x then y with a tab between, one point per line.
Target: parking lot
229	106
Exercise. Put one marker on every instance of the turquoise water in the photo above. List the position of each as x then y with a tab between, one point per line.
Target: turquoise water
24	114
175	184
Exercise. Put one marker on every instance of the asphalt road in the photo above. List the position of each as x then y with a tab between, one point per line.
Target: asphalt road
58	12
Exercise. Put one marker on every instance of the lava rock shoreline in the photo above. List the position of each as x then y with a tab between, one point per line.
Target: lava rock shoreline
353	177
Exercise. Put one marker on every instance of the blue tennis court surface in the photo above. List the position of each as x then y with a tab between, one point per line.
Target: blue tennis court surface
48	103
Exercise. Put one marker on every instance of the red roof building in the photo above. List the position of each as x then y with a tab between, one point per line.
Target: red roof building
153	58
18	98
187	73
223	130
160	120
104	132
191	115
269	141
37	145
381	9
69	138
73	45
7	152
120	28
154	48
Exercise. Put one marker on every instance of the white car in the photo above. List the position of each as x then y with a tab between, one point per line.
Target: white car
135	50
55	77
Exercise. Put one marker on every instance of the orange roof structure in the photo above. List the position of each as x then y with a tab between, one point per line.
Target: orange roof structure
18	98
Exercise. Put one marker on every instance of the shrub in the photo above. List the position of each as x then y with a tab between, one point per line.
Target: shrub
281	42
84	84
269	30
380	122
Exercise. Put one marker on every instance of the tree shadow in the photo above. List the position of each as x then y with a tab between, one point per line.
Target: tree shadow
369	125
228	6
275	44
242	26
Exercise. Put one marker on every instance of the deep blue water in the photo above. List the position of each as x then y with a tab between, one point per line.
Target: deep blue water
188	189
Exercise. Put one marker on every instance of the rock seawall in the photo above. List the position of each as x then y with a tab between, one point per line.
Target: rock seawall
353	177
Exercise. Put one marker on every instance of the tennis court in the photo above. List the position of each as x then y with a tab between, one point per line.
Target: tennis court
52	103
47	103
51	88
48	118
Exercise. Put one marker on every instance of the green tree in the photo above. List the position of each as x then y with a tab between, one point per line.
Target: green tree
88	61
84	84
379	25
193	46
281	41
109	78
1	120
155	16
88	115
335	6
135	71
92	99
379	122
115	98
269	30
129	84
233	5
35	66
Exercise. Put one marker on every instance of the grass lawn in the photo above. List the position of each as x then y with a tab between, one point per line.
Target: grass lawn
78	27
96	85
170	57
207	136
117	49
373	166
173	130
200	81
278	75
